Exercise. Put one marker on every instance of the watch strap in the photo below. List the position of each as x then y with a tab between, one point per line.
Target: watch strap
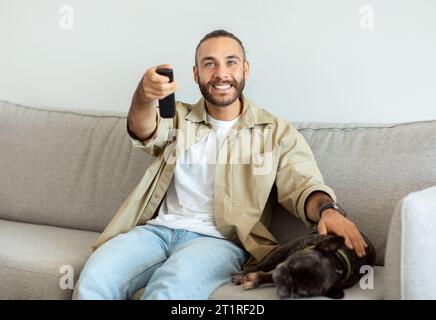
332	205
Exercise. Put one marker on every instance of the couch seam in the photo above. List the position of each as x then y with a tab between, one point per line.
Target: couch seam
30	271
49	225
66	111
84	113
382	126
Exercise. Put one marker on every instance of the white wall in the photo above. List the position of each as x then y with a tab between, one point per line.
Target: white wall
310	59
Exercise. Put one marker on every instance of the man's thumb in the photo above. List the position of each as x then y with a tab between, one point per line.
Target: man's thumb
322	229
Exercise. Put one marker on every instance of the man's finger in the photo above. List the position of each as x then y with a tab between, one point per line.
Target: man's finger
362	244
165	65
322	229
164	86
358	242
348	241
358	245
159	78
156	77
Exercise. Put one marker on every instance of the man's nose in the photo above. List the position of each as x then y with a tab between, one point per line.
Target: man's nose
221	72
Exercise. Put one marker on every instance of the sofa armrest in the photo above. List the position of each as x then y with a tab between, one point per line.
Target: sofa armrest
410	258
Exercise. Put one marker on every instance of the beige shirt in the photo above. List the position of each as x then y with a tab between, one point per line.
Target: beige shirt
261	150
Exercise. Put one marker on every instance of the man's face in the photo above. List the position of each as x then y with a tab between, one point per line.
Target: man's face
221	70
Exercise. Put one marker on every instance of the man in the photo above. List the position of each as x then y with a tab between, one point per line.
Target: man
198	214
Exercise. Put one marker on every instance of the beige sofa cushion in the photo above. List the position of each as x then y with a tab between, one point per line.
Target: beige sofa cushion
230	291
268	292
63	168
31	257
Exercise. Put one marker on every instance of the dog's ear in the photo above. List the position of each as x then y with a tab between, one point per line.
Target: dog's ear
335	293
331	244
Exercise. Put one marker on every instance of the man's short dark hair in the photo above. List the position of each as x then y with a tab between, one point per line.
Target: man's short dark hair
218	34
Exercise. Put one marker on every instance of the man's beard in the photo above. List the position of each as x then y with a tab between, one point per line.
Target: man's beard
222	102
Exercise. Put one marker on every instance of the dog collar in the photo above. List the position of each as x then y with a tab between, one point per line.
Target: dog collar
309	248
343	257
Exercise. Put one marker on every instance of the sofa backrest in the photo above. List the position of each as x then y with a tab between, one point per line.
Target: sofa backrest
370	167
74	169
67	169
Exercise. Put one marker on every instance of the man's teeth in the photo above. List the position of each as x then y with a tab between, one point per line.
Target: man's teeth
222	86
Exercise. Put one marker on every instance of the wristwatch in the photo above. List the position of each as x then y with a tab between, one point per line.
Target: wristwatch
332	205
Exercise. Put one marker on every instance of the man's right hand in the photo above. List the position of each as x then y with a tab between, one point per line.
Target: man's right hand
154	86
142	114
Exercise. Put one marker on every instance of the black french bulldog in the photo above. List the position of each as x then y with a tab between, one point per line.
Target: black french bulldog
313	265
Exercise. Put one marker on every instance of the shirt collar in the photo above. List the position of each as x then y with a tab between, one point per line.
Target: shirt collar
251	114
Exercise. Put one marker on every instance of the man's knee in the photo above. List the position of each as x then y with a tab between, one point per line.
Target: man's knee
95	283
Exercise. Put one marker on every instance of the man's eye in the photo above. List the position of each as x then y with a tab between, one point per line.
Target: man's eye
208	64
231	62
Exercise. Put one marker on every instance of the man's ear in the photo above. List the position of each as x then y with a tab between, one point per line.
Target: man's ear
331	244
195	71
246	69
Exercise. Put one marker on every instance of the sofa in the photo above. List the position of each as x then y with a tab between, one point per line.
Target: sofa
63	175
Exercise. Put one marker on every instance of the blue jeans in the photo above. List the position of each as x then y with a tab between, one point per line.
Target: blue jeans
171	263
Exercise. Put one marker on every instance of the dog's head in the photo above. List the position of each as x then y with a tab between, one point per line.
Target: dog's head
310	272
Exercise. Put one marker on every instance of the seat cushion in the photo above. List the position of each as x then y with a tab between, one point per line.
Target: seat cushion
230	291
31	257
268	292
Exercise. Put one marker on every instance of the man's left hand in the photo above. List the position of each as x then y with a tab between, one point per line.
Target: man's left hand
334	222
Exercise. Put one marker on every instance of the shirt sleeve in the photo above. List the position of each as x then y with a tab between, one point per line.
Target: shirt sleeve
154	144
298	174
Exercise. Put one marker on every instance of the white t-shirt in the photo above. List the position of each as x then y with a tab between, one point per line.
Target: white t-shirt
189	203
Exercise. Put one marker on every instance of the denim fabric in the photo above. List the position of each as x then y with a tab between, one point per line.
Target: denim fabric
171	263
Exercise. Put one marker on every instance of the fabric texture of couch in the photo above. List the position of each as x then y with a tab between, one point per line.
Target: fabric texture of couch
63	175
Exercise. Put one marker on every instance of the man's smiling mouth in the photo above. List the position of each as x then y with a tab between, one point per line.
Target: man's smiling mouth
224	86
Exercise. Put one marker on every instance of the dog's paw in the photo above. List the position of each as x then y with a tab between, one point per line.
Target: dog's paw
248	285
238	278
246	280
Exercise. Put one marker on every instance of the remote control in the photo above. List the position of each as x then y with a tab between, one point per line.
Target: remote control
167	105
